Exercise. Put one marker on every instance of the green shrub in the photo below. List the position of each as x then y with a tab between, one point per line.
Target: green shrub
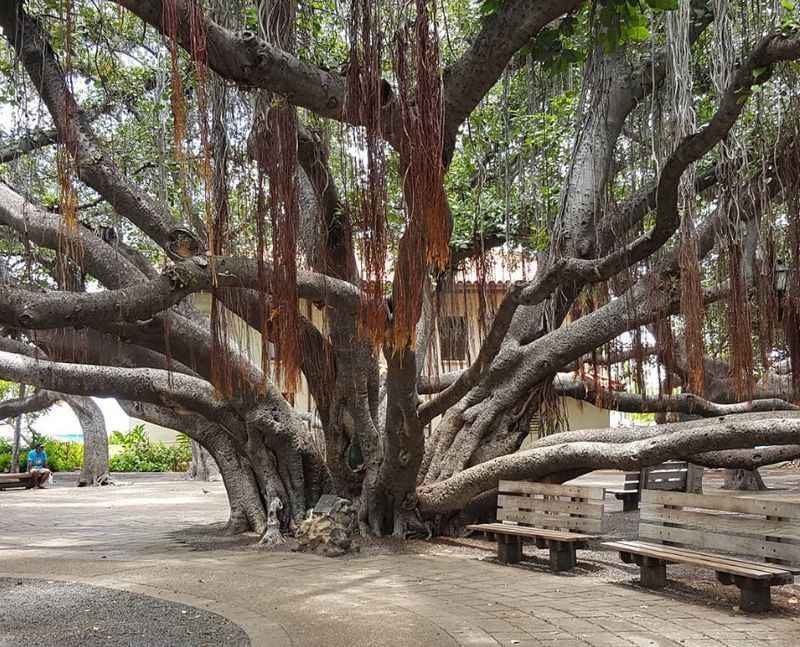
61	456
140	454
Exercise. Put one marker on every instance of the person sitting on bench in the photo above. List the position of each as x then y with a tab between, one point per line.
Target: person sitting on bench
37	466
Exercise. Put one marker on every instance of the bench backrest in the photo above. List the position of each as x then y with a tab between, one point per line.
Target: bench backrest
632	480
554	507
671	476
763	528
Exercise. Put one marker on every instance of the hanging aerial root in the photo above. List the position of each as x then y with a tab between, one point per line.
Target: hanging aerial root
365	96
426	242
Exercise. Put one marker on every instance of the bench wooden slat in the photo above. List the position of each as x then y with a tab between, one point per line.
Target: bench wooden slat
665	486
583	524
672	476
525	487
667	473
730	560
742	568
631	483
750	546
527	531
549	505
744	505
683	528
625	494
732	523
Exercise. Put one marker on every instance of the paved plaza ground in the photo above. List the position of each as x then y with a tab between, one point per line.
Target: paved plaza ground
420	593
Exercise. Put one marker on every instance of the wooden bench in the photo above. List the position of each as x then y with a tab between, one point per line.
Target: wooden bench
677	476
552	516
698	530
12	480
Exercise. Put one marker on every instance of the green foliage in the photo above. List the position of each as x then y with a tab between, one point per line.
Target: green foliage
5	455
790	21
184	442
61	456
559	47
140	454
488	7
8	390
624	22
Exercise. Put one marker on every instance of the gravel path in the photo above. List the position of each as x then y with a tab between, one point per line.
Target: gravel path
45	613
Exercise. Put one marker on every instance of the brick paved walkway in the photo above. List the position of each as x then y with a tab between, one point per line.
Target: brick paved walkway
118	537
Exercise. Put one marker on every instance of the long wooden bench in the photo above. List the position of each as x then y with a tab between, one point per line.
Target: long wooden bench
552	516
674	476
12	480
721	533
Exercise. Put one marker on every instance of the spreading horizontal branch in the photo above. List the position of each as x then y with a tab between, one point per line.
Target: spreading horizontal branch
42	399
249	61
54	309
178	391
676	441
13	149
102	261
686	403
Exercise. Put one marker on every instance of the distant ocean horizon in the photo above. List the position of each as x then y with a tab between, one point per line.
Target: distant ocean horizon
7	433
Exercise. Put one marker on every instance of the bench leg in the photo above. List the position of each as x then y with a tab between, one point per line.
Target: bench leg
653	573
755	596
509	549
562	556
630	504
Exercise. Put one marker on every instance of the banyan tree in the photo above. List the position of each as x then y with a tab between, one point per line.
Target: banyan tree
324	171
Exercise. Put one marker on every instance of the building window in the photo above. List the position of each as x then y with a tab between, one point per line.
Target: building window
453	338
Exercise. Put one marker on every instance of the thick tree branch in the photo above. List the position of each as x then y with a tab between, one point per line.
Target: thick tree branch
146	384
677	440
512	25
139	302
686	403
249	61
42	399
99	259
11	150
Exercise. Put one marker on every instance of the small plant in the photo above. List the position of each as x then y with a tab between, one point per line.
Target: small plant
140	454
